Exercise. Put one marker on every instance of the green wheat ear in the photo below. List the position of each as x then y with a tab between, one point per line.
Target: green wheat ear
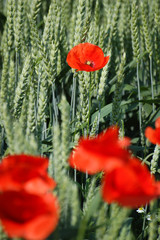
31	114
154	161
146	31
113	27
10	20
65	130
7	123
153	224
68	196
23	116
84	104
18	25
56	160
116	223
4	78
116	111
102	81
79	21
11	85
101	221
22	87
87	22
134	31
42	105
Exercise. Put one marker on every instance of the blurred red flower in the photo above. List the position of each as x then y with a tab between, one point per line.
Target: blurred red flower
154	135
130	185
103	153
24	172
86	57
28	209
29	216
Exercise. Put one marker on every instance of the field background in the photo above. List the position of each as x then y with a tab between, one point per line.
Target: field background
45	106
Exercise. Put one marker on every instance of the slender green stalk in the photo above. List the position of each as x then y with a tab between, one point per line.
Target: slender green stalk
139	98
144	221
89	105
151	77
73	98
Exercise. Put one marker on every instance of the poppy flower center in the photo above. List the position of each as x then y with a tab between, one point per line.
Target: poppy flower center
90	63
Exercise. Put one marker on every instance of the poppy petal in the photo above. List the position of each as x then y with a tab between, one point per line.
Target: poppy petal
150	133
27	215
86	57
102	153
157	123
106	59
130	185
25	172
154	134
91	52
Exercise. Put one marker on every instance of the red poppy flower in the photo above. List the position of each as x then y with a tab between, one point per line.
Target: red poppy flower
154	135
25	172
27	208
28	216
130	185
86	57
103	153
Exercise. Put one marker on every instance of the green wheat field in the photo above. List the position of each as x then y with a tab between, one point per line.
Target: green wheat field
46	106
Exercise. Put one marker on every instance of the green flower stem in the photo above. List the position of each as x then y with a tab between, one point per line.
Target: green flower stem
99	115
75	175
72	112
139	98
89	103
144	221
151	77
73	98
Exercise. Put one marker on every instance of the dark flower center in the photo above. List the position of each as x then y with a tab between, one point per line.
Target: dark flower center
90	63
